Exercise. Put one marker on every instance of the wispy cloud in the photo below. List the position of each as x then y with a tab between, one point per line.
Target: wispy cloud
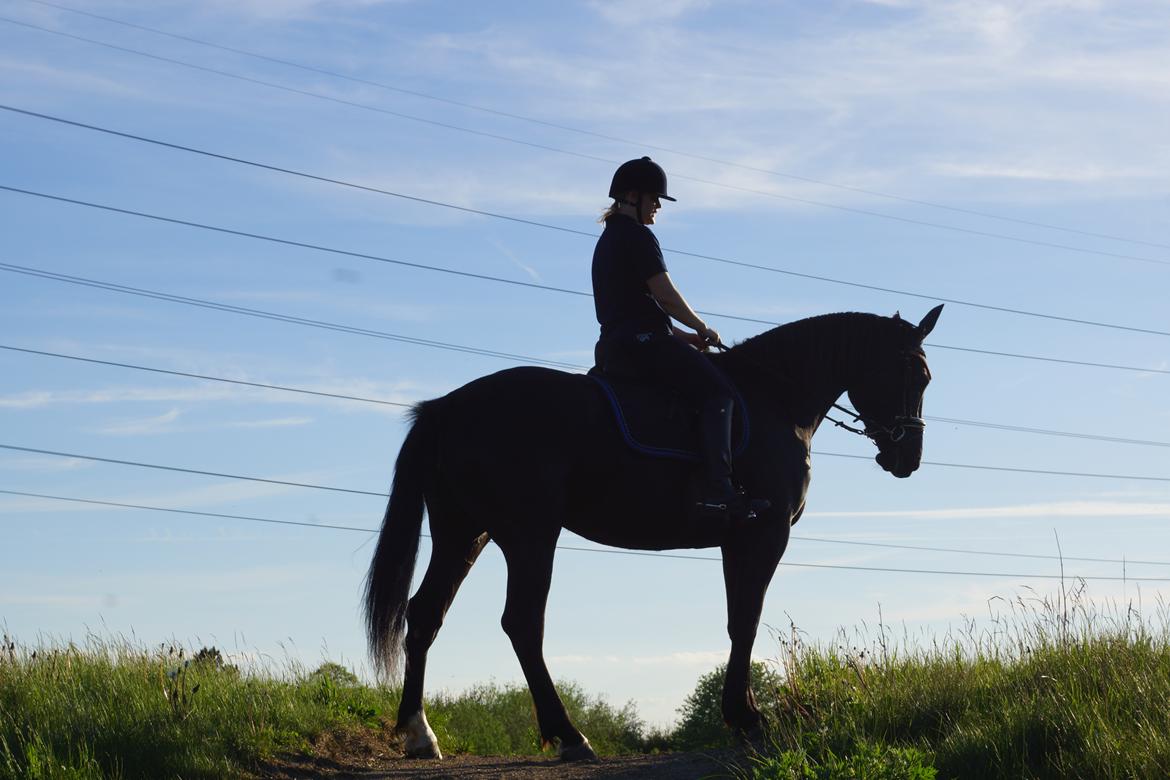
624	13
45	464
1054	509
46	77
508	253
280	422
1005	82
146	426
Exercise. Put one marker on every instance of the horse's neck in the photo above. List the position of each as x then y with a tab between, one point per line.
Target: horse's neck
812	362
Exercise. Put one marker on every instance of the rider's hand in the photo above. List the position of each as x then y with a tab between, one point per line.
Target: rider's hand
691	339
710	336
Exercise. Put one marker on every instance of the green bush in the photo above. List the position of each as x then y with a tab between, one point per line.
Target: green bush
867	761
701	718
499	720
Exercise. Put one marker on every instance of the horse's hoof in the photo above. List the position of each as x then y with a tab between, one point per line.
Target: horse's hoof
755	739
418	741
582	752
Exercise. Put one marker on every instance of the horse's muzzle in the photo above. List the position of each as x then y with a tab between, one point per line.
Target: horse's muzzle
898	462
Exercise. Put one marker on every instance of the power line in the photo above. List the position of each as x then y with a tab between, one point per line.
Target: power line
592	133
574	548
1065	361
1047	472
275	316
1048	432
440	269
348	329
557	150
215	306
248	518
559	228
285	388
204	376
961	551
159	467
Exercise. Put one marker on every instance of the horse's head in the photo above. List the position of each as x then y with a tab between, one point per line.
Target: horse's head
888	398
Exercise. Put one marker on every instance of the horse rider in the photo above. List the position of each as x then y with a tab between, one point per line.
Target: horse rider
635	300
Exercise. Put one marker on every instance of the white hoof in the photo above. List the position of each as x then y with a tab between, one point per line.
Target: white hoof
582	752
418	741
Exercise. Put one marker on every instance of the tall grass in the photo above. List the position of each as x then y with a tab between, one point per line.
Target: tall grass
1053	687
111	710
108	709
1049	688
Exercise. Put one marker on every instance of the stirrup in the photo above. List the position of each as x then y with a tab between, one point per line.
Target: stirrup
738	509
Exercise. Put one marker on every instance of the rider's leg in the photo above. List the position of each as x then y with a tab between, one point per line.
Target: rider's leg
692	374
715	438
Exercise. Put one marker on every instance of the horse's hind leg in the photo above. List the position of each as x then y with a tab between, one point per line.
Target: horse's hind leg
451	559
529	576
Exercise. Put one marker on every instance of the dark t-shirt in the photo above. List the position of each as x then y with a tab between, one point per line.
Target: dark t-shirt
627	254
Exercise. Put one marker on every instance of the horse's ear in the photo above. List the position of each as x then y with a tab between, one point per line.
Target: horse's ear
928	322
897	315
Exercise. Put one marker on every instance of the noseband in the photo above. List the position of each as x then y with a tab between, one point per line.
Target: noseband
896	430
898	427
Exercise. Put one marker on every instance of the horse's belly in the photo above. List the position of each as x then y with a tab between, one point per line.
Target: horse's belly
654	512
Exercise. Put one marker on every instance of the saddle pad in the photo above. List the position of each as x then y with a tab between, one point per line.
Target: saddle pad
654	425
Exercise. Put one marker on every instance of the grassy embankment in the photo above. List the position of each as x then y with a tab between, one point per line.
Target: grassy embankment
1049	690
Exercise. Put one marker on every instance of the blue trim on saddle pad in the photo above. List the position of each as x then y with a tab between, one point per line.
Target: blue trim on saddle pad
668	452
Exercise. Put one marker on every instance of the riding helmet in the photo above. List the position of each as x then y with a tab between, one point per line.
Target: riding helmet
642	175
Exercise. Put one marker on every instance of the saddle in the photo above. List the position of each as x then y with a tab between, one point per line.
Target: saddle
654	422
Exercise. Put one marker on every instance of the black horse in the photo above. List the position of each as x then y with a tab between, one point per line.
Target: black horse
515	456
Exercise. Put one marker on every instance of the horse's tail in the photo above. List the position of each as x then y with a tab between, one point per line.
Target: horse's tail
388	581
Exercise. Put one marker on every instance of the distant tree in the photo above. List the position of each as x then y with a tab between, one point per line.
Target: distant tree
335	674
701	718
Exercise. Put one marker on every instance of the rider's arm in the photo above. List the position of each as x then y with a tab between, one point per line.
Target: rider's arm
673	303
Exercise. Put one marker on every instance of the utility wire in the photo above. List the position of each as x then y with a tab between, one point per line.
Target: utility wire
545	147
1049	472
797	537
159	467
1060	360
112	287
948	420
205	376
484	277
249	518
574	548
961	551
260	314
1047	432
595	134
559	228
336	326
591	133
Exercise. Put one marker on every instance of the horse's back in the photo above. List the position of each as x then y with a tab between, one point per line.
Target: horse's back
520	396
520	415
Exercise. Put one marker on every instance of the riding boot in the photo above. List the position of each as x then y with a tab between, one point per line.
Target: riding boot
720	498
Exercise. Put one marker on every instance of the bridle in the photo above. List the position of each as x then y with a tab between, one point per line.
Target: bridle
901	423
896	430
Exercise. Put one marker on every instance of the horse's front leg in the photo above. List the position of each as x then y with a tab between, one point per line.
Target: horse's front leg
749	561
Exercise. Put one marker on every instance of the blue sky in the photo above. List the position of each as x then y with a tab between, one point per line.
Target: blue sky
1048	118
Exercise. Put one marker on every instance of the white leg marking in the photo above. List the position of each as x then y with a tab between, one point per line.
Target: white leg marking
418	739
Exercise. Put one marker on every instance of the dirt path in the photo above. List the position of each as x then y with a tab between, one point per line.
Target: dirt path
671	766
